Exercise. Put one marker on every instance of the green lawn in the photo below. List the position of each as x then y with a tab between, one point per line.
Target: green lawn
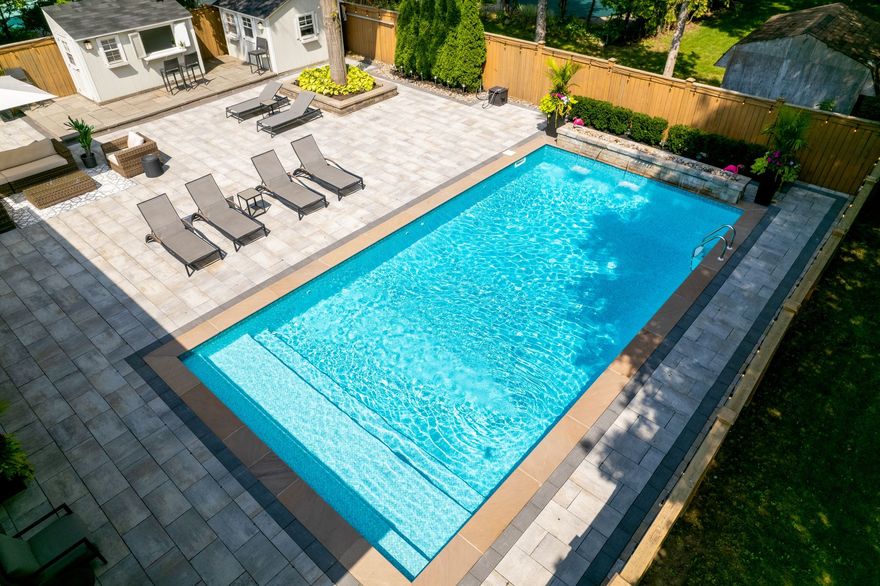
794	495
703	43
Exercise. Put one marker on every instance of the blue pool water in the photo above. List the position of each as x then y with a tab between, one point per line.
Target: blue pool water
405	384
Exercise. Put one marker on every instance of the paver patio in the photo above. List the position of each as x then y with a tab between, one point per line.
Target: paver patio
82	292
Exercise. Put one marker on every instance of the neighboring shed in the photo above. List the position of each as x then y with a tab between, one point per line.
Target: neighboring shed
291	28
823	54
114	48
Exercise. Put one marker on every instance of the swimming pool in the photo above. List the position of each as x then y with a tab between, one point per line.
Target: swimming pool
406	384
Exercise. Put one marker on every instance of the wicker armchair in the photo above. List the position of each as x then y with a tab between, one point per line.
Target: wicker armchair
128	160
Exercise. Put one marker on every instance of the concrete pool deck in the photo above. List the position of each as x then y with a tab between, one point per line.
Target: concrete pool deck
81	297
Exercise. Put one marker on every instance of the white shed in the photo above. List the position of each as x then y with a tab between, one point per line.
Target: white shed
292	29
115	48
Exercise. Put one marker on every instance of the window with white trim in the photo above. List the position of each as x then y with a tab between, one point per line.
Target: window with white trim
307	29
111	50
247	28
67	53
229	24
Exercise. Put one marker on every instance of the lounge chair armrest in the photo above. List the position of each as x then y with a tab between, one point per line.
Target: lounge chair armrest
44	518
49	563
114	145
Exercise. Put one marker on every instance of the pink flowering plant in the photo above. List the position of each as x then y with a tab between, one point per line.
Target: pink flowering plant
785	168
556	103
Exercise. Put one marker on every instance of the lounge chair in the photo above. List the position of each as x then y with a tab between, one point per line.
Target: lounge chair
279	184
259	104
51	553
322	170
177	236
298	113
216	210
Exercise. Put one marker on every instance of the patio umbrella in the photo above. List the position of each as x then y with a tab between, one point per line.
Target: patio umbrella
15	93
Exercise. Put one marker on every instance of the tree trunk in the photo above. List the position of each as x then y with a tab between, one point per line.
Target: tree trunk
590	14
563	8
541	22
676	39
335	50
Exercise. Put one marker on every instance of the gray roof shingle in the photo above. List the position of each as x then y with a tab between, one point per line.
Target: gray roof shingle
258	8
88	19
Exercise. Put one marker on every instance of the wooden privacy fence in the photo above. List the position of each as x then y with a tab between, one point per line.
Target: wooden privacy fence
841	149
370	32
42	61
209	31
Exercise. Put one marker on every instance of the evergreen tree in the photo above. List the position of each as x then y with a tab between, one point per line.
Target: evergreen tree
461	58
424	58
407	30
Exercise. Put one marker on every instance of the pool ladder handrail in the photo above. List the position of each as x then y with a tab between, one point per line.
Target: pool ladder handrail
718	233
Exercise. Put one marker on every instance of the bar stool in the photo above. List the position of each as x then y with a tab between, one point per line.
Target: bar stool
171	67
255	57
192	66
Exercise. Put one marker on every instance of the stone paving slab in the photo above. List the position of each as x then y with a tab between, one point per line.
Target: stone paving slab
81	292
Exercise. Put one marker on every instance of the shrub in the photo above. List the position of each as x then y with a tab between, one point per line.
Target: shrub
647	129
618	120
714	149
318	80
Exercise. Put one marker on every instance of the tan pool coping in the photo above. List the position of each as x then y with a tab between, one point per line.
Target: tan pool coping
452	563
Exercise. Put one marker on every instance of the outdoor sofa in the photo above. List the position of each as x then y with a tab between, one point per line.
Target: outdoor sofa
219	212
177	236
32	164
268	97
298	113
58	550
323	171
279	184
124	154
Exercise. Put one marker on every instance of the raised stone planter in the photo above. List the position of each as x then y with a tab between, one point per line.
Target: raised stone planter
381	91
653	163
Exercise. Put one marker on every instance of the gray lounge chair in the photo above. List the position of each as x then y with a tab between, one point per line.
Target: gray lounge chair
298	113
216	210
279	184
258	105
177	236
324	171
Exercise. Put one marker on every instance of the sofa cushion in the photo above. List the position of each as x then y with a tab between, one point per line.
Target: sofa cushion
31	152
111	158
135	139
29	169
16	558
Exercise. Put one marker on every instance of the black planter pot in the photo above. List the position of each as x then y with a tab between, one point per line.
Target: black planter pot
554	121
768	185
89	160
10	487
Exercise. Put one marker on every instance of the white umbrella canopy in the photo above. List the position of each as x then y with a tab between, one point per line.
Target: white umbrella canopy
15	93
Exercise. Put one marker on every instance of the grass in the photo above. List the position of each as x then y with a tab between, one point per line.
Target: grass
702	45
793	497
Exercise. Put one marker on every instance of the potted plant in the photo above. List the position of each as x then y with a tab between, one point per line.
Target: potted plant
85	140
779	165
557	103
15	470
556	106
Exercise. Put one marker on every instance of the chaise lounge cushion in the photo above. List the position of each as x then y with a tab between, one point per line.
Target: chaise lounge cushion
26	170
62	534
32	152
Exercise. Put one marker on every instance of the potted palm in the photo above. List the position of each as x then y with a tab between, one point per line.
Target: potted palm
84	132
779	165
557	103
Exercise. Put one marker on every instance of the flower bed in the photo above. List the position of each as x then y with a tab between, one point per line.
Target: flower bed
654	163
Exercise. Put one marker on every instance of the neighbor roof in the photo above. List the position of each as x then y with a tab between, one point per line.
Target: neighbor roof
87	19
258	8
836	25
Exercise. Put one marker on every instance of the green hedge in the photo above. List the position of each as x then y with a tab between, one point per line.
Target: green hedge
713	149
606	117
